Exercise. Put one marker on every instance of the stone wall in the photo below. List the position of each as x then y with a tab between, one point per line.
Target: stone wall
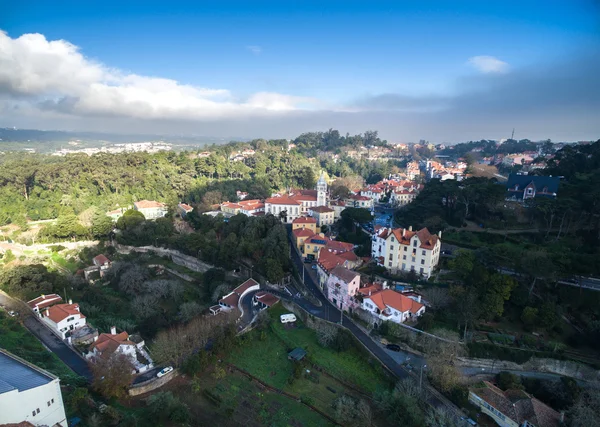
151	384
567	368
176	256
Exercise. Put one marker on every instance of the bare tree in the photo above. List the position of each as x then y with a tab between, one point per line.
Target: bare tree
112	375
437	297
145	306
326	333
189	310
352	412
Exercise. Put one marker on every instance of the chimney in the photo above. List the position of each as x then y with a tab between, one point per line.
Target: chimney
70	301
48	312
440	234
410	228
403	232
113	330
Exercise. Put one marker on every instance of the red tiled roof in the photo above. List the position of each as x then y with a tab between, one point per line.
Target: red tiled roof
250	205
267	298
244	286
60	312
304	197
328	260
44	301
371	288
231	205
339	247
109	343
101	259
185	207
283	200
518	405
302	232
426	239
396	300
350	256
144	204
304	220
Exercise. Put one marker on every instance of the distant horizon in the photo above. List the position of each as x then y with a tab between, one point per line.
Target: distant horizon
249	139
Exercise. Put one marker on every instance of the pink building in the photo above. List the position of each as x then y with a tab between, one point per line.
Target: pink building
342	286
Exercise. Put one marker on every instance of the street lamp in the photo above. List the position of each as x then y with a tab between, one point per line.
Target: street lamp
421	378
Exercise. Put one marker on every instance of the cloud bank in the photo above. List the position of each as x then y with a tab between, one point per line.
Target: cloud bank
61	79
51	85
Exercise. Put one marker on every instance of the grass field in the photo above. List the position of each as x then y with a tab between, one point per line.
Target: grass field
72	266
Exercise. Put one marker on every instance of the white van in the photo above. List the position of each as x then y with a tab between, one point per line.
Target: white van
287	318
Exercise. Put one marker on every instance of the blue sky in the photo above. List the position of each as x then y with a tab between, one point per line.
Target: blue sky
313	60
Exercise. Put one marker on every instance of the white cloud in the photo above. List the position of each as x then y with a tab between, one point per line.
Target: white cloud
488	64
257	50
54	76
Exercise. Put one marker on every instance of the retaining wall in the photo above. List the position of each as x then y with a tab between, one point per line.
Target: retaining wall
151	384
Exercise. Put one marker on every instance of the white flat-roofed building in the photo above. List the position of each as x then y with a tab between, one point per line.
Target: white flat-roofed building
29	394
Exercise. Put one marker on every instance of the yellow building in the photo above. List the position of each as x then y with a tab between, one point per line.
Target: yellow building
305	223
323	215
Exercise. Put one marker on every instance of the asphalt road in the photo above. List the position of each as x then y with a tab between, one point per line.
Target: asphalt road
58	347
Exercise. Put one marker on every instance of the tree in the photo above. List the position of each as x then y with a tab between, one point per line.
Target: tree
101	224
130	219
351	215
529	316
112	375
585	411
164	406
326	333
352	412
308	179
189	310
508	381
28	281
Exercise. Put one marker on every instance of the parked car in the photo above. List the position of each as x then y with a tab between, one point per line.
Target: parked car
13	313
164	371
393	347
287	318
314	266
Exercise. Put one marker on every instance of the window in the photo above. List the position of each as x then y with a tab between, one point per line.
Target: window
33	413
392	238
415	243
390	264
423	253
405	248
38	410
390	257
404	257
403	266
52	400
422	262
48	403
391	247
421	270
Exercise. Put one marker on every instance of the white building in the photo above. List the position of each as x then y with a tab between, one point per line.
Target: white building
298	203
407	250
122	343
151	209
63	318
389	305
291	207
29	394
43	301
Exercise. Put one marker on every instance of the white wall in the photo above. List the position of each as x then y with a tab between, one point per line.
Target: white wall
16	406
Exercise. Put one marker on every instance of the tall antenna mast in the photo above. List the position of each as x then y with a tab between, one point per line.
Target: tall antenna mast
513	135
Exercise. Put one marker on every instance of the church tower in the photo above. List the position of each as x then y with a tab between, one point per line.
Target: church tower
322	191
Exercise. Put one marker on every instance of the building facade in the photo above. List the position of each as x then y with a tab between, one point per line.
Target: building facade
342	286
406	250
151	209
323	215
389	305
29	394
64	318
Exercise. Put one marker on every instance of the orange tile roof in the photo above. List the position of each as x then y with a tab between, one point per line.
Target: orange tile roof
372	288
396	300
144	204
328	260
283	200
302	232
60	312
426	239
186	207
250	205
304	220
109	343
231	205
267	298
338	247
101	259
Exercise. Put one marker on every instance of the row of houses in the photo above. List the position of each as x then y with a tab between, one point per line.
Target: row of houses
335	264
399	192
70	324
